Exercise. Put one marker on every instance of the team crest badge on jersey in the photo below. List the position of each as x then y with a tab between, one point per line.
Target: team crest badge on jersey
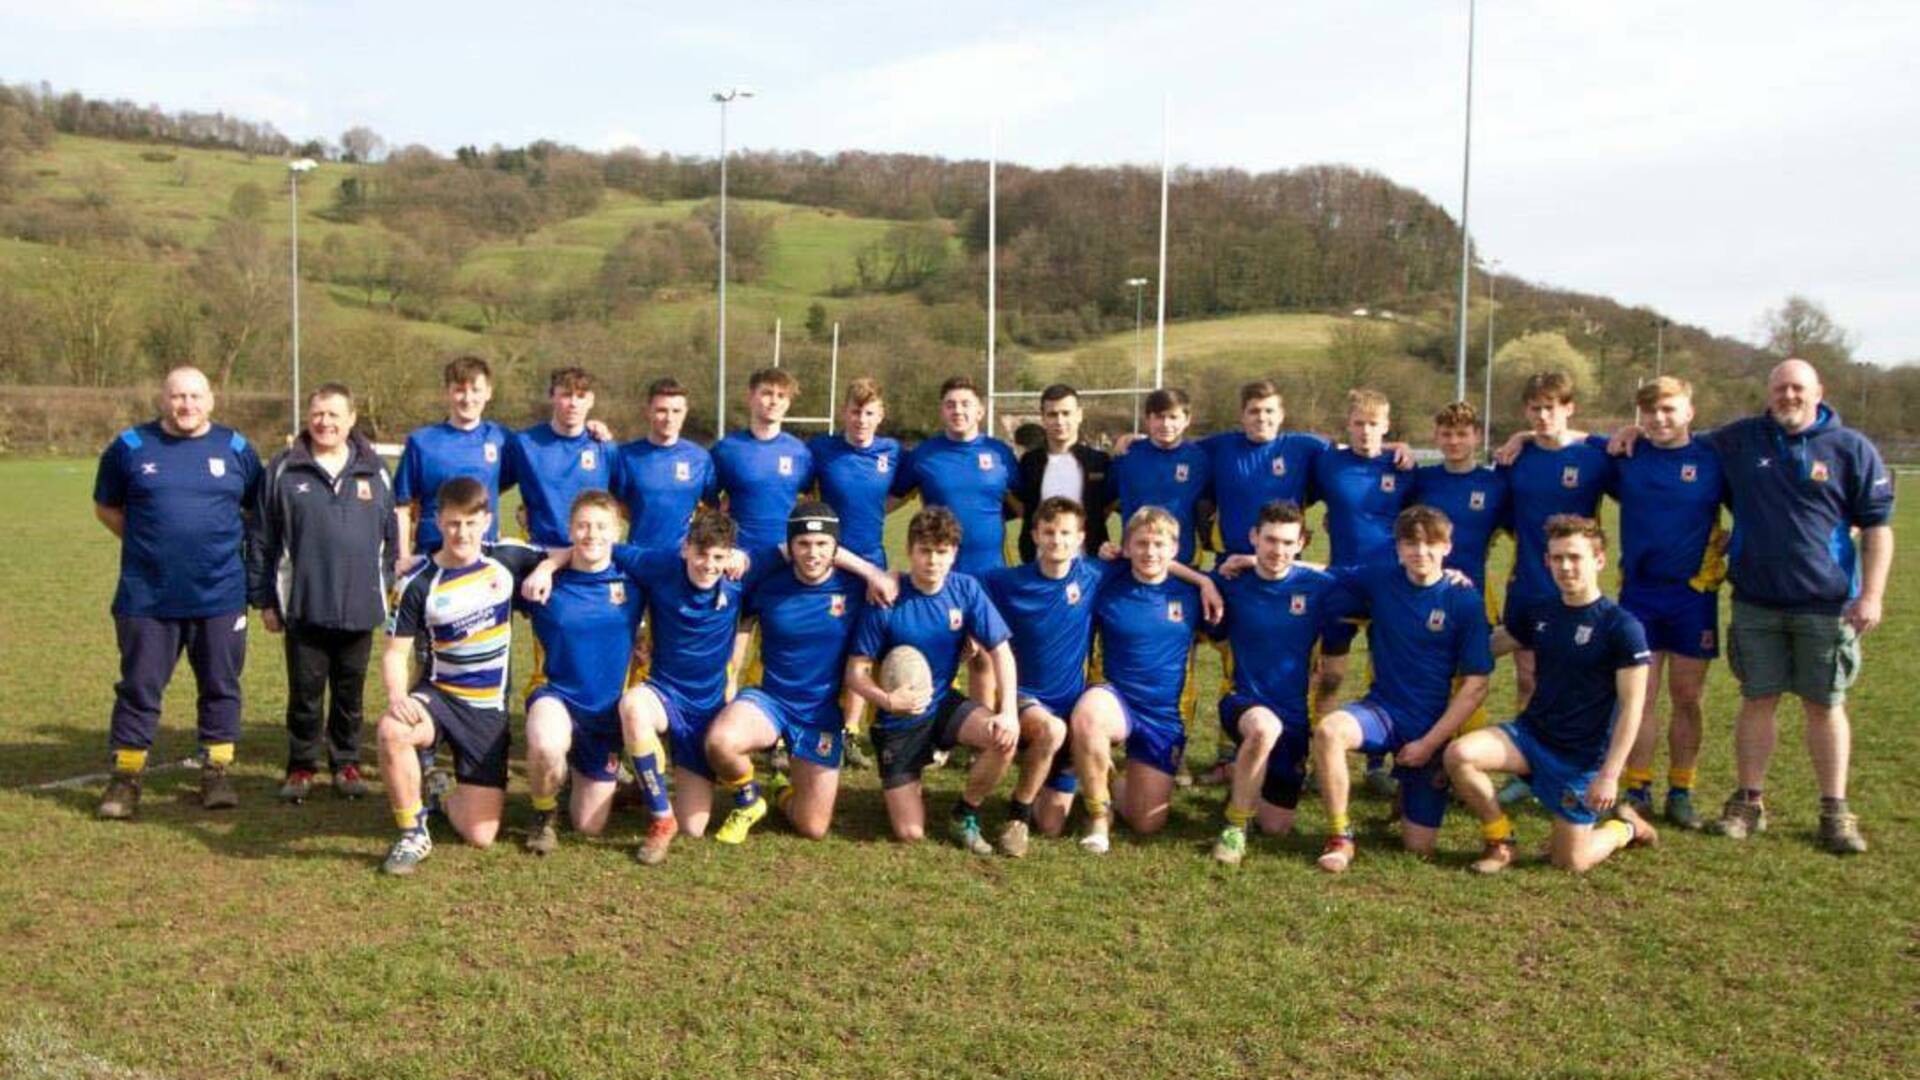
682	471
1297	604
1176	611
825	745
1180	473
1570	476
1689	473
720	602
616	593
1706	640
786	465
837	605
882	465
363	488
954	618
218	467
1582	635
1818	471
588	458
1073	592
1569	800
1386	482
986	462
1279	466
490	452
1437	620
1476	500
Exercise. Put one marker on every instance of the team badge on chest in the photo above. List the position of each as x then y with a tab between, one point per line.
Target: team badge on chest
1297	604
1073	592
1818	471
490	453
837	605
1176	611
1437	620
1387	481
1180	473
1570	476
682	471
954	618
1689	473
616	593
882	465
218	467
363	489
1279	466
588	459
1582	635
786	465
986	462
1476	500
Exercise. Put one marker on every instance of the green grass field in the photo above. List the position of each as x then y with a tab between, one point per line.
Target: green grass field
262	943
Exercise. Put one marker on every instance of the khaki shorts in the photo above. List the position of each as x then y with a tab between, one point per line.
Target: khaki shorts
1814	656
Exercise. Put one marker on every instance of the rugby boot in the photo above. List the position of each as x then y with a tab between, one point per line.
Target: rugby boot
1097	841
1682	812
1337	855
1644	834
1740	819
1231	846
856	753
653	848
122	797
297	786
1640	798
965	831
407	853
1840	834
349	784
1014	839
216	788
740	822
544	837
1495	856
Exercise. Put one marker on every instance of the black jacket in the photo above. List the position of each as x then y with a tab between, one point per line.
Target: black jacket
323	552
1097	493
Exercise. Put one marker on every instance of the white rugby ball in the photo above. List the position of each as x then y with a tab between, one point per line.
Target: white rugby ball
904	668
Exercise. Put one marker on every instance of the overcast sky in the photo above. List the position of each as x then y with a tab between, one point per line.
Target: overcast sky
1705	157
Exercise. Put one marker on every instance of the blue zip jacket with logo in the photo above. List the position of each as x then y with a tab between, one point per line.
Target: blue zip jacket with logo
1796	500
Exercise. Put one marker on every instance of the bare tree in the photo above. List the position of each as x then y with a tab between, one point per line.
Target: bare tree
361	145
241	280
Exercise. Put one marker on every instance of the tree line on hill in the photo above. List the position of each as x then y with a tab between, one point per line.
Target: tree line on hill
1325	238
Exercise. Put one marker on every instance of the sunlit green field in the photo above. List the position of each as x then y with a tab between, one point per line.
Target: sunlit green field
261	942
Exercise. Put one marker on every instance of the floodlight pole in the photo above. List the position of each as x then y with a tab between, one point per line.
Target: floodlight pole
776	343
1139	285
724	98
1486	415
294	169
833	376
1466	245
1160	312
993	259
1659	347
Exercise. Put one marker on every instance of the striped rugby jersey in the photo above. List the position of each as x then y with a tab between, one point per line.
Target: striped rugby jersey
466	613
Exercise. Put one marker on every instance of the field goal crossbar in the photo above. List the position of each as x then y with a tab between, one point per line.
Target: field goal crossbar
833	378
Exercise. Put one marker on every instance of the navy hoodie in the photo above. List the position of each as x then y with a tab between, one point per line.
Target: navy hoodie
1796	499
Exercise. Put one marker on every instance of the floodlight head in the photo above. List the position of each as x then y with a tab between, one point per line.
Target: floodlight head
300	165
1137	282
732	92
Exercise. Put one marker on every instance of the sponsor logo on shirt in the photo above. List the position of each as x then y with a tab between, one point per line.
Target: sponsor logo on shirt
1180	473
1763	462
490	453
217	466
954	618
1582	635
1297	604
363	488
302	488
616	593
1476	500
1570	476
1176	611
786	465
1819	472
1437	620
148	468
1386	481
1279	466
986	462
1689	473
881	464
682	471
837	605
587	459
1073	592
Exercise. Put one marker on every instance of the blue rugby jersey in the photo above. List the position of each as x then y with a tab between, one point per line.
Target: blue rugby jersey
805	632
1420	636
186	500
692	629
441	452
971	479
1669	504
1172	479
661	486
1362	496
1796	499
1477	503
1580	650
1270	629
1247	475
762	479
551	469
1542	483
938	624
1051	621
583	638
855	481
467	614
1144	636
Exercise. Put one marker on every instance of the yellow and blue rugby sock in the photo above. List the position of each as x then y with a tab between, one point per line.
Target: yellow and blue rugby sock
546	804
646	767
1238	817
1638	781
1497	831
1339	825
130	762
746	790
219	754
1681	779
411	818
1616	825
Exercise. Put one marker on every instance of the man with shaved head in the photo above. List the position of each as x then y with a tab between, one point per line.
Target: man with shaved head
1812	544
177	492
